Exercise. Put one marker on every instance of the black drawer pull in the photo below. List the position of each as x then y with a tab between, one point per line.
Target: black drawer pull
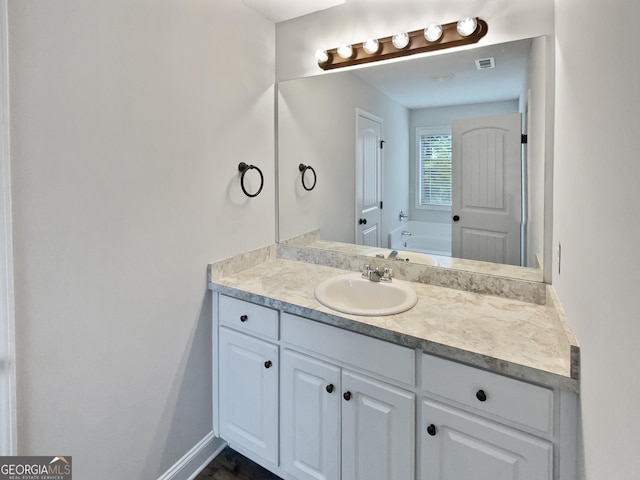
243	318
268	364
480	395
330	388
347	396
431	430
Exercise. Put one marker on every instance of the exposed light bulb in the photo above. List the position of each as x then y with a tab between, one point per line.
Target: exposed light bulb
467	26
400	40
371	46
321	56
433	33
345	50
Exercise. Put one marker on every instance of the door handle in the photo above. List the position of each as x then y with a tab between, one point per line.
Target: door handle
456	218
362	221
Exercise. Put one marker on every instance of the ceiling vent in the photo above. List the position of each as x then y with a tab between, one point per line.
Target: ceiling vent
485	63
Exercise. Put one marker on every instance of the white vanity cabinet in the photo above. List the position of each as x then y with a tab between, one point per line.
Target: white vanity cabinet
310	392
458	445
312	401
476	424
377	430
339	424
248	378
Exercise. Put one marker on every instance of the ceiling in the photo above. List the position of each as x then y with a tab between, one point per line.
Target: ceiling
281	10
452	78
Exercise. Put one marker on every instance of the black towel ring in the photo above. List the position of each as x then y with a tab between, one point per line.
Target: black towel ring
303	168
244	168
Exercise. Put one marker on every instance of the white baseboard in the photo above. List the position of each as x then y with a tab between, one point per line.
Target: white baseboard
194	461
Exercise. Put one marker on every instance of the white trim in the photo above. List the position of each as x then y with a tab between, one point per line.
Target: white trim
363	113
196	459
276	155
215	348
8	411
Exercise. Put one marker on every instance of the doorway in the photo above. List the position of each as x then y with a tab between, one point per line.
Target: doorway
368	178
487	189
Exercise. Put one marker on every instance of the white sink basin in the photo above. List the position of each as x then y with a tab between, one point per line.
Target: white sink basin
351	293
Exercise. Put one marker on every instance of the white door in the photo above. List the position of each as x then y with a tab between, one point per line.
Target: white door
248	387
460	446
487	189
377	430
368	178
309	417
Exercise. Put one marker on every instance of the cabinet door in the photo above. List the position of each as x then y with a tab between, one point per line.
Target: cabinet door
248	389
377	430
309	417
457	445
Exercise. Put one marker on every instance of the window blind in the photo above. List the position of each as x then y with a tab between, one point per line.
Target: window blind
435	170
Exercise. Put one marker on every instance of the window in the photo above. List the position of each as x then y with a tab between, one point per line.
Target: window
434	160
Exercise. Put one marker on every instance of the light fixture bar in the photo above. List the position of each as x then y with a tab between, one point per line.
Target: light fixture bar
417	44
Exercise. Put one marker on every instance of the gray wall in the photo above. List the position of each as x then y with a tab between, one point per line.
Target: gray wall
316	126
128	120
597	221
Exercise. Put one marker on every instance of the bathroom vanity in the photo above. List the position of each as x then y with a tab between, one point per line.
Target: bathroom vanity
463	385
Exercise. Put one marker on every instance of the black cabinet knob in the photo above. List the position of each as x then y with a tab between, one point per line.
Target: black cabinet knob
481	395
431	430
329	388
362	221
268	364
456	218
243	318
347	396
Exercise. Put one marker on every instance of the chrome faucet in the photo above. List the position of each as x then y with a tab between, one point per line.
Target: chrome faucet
402	215
405	232
375	275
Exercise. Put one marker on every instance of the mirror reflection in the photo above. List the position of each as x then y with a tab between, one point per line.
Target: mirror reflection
423	157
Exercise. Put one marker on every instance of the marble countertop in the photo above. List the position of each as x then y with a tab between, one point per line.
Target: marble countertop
520	339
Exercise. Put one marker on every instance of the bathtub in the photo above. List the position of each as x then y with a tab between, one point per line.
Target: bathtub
426	237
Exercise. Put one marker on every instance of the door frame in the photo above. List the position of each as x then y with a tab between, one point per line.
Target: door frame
8	413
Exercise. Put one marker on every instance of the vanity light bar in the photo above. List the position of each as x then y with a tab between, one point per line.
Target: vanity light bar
392	47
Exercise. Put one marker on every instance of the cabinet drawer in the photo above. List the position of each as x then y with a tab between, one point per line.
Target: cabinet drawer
342	346
248	317
520	402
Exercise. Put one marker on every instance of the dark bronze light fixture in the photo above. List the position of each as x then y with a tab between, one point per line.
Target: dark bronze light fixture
435	37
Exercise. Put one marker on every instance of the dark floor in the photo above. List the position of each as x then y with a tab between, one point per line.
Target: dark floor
231	465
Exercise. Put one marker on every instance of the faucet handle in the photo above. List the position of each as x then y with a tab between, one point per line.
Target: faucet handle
366	273
387	273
